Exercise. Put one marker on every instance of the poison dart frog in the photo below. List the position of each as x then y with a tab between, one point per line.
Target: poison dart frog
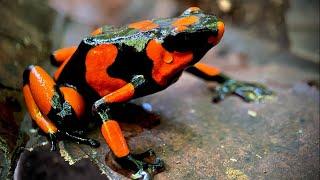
115	65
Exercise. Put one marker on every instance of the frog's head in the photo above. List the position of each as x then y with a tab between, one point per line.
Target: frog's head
194	31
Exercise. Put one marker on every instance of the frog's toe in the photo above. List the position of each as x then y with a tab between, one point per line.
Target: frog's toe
149	169
156	167
141	174
249	92
64	135
152	163
145	165
218	97
93	143
53	141
147	154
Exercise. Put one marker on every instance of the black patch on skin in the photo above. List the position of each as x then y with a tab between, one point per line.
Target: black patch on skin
67	118
196	42
53	61
74	74
129	63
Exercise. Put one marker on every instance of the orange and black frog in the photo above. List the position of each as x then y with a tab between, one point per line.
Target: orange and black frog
116	65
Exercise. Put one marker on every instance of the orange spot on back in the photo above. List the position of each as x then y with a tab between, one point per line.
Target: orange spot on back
143	25
97	31
112	134
182	23
166	64
74	99
181	28
209	70
98	60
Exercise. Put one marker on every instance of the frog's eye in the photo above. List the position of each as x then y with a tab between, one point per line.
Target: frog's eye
191	10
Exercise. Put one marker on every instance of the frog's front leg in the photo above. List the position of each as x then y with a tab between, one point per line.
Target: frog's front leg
247	91
53	107
112	133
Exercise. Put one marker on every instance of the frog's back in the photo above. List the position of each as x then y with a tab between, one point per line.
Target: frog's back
108	59
100	67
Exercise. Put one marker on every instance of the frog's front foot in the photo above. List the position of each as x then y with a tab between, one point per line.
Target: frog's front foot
145	165
249	92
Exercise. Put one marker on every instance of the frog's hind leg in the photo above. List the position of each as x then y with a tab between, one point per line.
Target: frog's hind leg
61	55
247	91
52	107
47	126
60	58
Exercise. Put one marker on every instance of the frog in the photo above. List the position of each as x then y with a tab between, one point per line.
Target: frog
115	65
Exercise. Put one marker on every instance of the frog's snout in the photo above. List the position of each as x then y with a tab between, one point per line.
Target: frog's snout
220	30
216	39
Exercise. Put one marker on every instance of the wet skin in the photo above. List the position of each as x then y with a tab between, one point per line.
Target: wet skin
115	65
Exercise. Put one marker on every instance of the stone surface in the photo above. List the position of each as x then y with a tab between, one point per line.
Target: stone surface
24	39
275	139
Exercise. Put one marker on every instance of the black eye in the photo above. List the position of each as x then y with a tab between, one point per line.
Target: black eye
179	42
186	41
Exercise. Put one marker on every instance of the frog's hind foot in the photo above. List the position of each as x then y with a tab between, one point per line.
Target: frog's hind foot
80	140
249	92
53	138
55	109
145	165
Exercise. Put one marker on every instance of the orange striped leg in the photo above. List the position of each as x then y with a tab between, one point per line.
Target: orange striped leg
61	55
60	58
207	72
44	124
112	133
52	107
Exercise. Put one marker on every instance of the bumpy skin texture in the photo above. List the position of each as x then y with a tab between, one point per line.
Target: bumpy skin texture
115	65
